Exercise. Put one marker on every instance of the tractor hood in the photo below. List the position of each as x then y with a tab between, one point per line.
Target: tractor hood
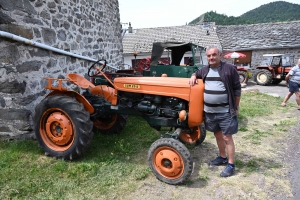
168	86
165	86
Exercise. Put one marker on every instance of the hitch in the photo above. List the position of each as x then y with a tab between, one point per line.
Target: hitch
174	135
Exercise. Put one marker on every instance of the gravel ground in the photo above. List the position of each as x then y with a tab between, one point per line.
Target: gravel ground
292	153
292	158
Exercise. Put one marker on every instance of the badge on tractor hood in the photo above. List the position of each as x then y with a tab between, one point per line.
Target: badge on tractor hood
133	86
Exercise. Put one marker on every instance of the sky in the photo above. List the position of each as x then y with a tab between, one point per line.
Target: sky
160	13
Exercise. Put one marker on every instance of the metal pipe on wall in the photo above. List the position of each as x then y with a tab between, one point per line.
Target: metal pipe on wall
43	46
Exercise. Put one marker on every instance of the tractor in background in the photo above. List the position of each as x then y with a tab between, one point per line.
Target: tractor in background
65	120
273	69
166	58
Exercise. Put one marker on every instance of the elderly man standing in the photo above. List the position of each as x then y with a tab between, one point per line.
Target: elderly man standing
221	105
293	79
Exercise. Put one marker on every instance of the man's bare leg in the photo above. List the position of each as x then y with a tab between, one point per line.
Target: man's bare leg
230	148
298	99
286	98
221	144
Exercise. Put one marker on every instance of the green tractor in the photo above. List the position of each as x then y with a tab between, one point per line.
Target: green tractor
167	56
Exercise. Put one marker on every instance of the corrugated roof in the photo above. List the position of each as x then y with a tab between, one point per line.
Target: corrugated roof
141	40
260	36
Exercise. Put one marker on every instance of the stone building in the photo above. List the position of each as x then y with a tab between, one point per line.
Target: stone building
141	40
253	40
257	39
89	28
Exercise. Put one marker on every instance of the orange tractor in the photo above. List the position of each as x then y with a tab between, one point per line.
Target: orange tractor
65	119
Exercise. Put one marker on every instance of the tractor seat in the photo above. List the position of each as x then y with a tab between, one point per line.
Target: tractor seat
80	81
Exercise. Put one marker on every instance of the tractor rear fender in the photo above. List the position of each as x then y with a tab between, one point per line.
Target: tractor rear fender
79	98
242	69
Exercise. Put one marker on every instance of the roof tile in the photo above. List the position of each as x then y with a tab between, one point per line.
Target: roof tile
256	36
142	40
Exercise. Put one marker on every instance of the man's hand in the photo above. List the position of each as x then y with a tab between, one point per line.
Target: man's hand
193	80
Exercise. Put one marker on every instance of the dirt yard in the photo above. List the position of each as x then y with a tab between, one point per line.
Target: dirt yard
276	177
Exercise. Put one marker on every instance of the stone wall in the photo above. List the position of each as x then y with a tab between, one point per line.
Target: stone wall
265	38
86	27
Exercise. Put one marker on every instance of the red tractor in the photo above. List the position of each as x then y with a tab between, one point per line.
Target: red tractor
65	120
273	69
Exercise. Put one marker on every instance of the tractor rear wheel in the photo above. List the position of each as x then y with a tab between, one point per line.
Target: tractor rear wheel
263	77
62	127
170	161
112	125
243	76
196	137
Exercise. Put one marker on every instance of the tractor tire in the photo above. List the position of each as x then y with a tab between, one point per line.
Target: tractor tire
114	125
263	77
195	138
170	161
243	77
276	81
62	127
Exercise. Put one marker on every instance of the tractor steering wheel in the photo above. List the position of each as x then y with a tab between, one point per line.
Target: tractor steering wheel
145	63
98	69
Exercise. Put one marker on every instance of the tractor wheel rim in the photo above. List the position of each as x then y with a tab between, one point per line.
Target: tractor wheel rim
262	77
104	125
192	137
57	130
168	162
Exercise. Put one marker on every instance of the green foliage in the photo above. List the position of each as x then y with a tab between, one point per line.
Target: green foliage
279	11
255	105
285	124
220	19
257	136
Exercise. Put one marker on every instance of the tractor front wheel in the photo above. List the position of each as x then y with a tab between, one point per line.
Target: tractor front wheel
62	127
170	161
263	77
197	136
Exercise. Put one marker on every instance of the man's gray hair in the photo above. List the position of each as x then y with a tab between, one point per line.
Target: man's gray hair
214	46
